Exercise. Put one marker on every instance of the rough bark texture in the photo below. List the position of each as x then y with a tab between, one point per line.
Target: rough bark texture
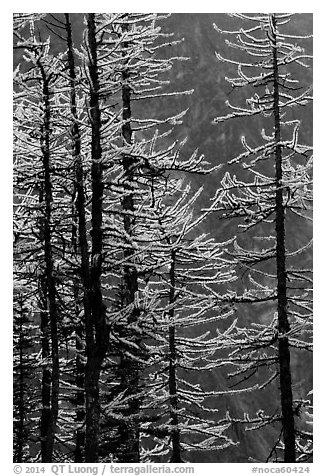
50	380
96	330
283	322
176	446
78	237
21	399
129	368
80	393
45	423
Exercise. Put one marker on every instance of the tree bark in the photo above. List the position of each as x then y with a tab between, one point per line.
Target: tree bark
176	446
283	322
96	329
21	401
50	380
129	368
84	255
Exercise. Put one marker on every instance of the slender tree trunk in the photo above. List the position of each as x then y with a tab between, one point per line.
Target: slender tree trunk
129	431
80	367
46	421
51	378
21	402
82	239
283	322
80	393
96	343
176	446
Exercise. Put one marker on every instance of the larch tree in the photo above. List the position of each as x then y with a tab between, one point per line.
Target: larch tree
79	238
25	369
43	226
138	168
37	141
118	67
130	70
272	196
187	263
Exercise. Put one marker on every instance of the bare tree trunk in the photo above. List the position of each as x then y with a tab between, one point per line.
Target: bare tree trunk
176	446
50	378
283	322
80	393
80	366
46	422
21	398
82	239
96	342
129	431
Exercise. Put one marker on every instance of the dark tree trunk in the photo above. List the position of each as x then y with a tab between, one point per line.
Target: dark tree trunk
176	446
46	420
80	393
80	367
96	329
129	368
283	322
21	398
78	236
50	380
